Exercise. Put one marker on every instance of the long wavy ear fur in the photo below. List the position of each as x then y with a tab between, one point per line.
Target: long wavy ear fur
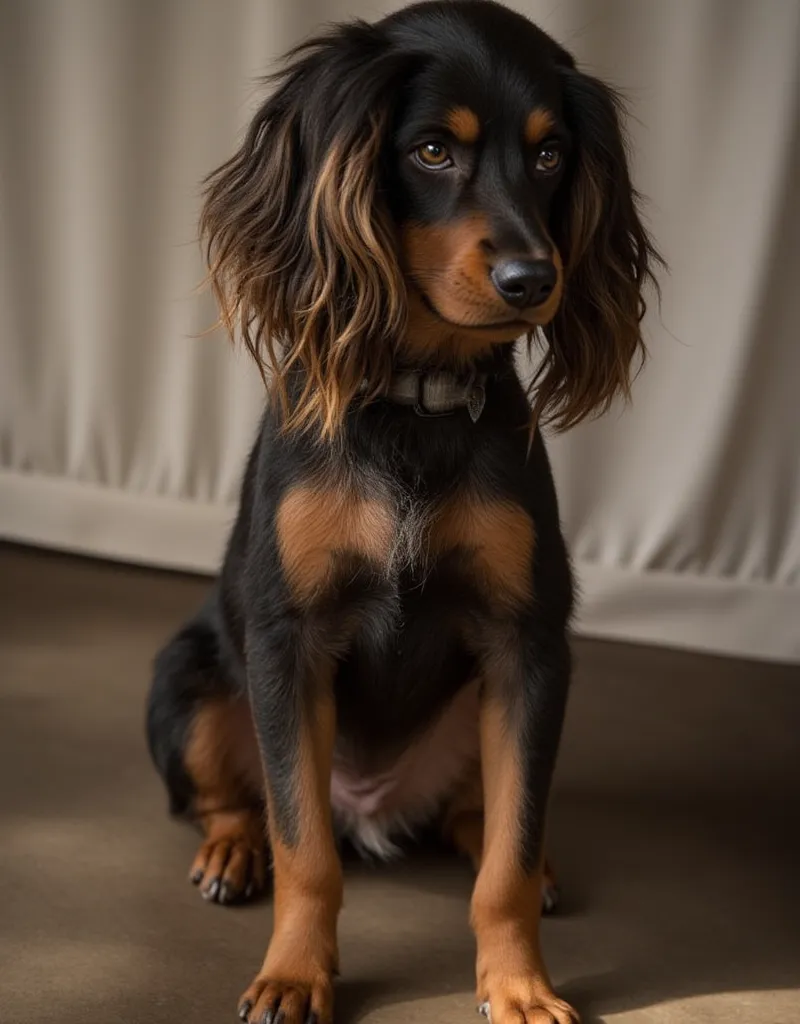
300	248
595	340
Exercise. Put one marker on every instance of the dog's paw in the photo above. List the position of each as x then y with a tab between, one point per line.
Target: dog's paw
296	1001
523	1003
231	865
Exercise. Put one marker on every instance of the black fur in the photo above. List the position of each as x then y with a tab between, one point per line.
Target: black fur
401	645
398	645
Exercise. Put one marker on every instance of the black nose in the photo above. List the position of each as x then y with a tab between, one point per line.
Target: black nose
523	283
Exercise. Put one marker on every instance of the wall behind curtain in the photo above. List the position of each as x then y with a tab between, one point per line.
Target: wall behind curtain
123	428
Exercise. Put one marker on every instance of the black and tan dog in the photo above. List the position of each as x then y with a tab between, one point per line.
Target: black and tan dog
387	642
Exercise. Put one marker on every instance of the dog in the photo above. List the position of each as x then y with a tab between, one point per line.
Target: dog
386	646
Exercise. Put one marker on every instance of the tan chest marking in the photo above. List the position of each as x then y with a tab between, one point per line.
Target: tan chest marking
499	537
316	524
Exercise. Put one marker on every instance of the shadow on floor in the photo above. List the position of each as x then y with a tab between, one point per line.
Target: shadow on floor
673	830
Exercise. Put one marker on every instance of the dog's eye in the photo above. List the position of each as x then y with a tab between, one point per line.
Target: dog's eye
549	159
433	156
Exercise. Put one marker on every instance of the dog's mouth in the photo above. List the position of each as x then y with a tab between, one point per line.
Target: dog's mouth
516	323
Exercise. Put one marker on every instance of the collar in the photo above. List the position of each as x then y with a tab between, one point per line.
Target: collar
437	394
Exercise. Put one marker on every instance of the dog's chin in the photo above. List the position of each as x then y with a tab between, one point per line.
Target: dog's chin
494	331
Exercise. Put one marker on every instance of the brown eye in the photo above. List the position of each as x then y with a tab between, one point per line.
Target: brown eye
433	156
549	159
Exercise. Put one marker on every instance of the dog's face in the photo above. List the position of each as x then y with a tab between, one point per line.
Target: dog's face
419	191
477	153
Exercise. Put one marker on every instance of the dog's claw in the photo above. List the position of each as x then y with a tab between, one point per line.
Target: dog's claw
211	892
244	1009
485	1011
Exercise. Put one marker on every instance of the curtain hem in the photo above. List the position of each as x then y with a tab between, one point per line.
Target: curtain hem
744	618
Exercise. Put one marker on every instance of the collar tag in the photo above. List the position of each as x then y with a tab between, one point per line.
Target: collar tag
476	401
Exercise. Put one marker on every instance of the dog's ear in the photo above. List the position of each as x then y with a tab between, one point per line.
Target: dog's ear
595	340
301	250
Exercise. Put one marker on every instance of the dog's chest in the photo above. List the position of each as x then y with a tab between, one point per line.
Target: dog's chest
324	528
408	574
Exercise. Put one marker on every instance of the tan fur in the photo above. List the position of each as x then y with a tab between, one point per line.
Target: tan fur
302	957
450	265
594	340
464	124
463	824
287	320
221	757
342	220
316	524
506	904
463	818
447	262
431	338
538	125
499	537
233	854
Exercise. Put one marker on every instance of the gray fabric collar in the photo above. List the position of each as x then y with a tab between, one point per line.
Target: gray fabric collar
438	394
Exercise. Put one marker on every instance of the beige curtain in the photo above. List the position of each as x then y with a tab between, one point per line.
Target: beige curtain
123	430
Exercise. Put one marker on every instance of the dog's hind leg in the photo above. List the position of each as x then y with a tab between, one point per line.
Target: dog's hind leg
201	738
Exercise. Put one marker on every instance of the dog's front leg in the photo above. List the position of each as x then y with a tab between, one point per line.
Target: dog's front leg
525	684
294	712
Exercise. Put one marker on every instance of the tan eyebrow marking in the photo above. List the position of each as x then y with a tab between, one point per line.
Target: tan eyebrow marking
464	124
538	126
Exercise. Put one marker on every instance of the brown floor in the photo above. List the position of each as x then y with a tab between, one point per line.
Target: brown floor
674	828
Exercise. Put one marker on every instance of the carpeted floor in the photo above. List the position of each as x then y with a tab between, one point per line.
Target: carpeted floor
674	829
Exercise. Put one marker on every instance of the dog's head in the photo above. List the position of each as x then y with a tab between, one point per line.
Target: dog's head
419	191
